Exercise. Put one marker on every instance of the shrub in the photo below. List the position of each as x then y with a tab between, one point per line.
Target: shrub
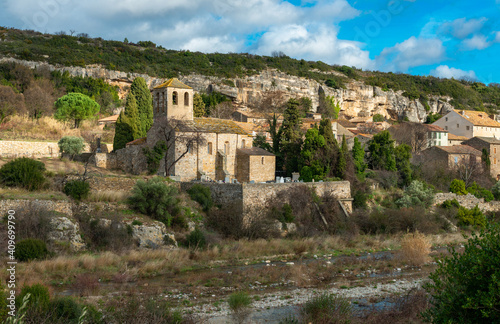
34	222
136	222
71	145
39	298
457	186
155	199
23	172
415	248
154	156
378	118
65	308
472	217
464	288
416	194
77	189
196	239
326	308
101	233
495	190
480	192
31	249
239	304
448	204
202	195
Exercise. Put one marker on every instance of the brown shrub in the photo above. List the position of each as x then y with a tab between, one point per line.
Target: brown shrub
415	248
86	284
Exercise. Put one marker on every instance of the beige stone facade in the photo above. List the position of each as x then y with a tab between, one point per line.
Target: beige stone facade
255	164
492	146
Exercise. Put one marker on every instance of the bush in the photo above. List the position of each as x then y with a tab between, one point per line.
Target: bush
239	304
480	192
378	118
71	145
156	199
31	249
416	194
65	308
464	288
39	299
196	239
471	217
458	187
34	222
23	172
415	248
202	195
102	233
448	204
326	308
77	189
495	190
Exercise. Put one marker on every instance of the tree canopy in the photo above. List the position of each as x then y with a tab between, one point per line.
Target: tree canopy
75	106
144	100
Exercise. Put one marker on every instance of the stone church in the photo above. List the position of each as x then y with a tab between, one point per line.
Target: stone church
202	148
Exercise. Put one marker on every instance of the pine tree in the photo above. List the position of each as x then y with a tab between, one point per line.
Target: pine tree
144	104
331	149
358	154
291	136
381	149
132	114
342	160
311	166
198	105
123	132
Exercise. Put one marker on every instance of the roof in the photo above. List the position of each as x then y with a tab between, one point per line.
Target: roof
459	149
173	83
254	151
490	140
345	123
210	125
138	141
434	128
255	114
478	118
453	137
110	119
250	127
361	119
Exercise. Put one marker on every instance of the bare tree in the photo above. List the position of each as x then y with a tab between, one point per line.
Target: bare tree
39	98
413	134
468	168
273	101
223	110
10	103
72	32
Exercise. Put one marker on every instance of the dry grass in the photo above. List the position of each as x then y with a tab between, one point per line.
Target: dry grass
108	196
415	248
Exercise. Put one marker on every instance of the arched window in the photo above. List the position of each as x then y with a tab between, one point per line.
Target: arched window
162	107
174	98
157	102
186	99
262	160
226	148
209	148
242	143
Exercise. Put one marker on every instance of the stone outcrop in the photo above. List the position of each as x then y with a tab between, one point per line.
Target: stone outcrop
152	235
66	231
468	201
358	99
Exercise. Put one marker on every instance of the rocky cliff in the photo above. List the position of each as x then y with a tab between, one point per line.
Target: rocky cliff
358	99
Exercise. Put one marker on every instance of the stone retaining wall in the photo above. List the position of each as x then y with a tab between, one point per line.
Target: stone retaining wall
468	201
64	207
16	149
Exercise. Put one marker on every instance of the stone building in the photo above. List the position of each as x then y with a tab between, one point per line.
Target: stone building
492	146
202	148
450	156
469	123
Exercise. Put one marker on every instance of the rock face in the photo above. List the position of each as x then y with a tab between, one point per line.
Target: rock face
152	235
66	231
358	99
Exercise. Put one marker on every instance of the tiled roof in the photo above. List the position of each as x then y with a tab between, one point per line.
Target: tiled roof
254	151
345	123
361	119
110	119
453	137
459	149
138	141
251	127
478	118
173	83
490	140
210	125
434	128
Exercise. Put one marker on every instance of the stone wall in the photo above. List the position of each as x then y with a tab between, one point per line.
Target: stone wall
15	149
468	201
64	207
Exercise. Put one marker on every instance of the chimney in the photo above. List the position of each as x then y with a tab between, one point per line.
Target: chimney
463	112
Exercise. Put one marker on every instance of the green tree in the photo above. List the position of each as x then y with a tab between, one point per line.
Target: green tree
402	154
198	105
305	106
457	186
378	118
332	107
358	155
485	157
311	166
71	145
275	132
331	149
75	106
291	136
260	141
144	104
123	132
381	149
341	167
465	286
132	113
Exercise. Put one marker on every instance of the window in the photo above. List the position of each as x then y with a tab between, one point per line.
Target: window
190	148
226	148
445	127
262	160
186	99
467	127
495	150
446	118
209	148
458	126
456	160
242	143
174	98
439	135
158	102
495	161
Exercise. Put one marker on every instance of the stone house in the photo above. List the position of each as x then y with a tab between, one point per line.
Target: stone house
200	147
455	139
492	146
245	116
419	136
469	123
252	165
450	156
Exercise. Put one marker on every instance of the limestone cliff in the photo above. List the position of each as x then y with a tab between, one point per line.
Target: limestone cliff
358	99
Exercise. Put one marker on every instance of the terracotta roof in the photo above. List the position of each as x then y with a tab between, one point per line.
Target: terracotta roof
361	119
434	128
173	83
459	149
453	137
478	118
250	127
490	140
110	119
138	141
210	125
345	123
254	151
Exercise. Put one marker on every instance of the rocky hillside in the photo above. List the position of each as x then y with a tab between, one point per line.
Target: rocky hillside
245	77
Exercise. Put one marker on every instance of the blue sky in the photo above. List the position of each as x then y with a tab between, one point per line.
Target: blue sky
427	37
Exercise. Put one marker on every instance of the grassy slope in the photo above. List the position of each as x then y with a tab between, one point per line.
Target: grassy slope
160	62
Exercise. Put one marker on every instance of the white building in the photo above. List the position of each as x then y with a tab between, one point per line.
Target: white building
469	123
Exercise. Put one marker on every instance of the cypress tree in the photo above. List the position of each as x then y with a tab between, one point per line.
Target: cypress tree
144	104
358	154
132	114
342	160
198	105
331	148
291	136
123	132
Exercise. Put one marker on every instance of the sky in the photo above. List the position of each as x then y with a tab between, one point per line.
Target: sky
443	38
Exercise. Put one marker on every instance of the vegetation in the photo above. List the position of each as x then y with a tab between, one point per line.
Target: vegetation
31	249
417	194
75	106
77	189
24	173
464	288
154	156
471	217
142	95
239	304
196	239
327	308
71	145
202	195
458	187
378	118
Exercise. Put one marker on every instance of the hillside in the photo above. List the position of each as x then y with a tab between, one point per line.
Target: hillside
399	95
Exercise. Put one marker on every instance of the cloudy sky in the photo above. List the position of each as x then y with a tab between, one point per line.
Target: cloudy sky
428	37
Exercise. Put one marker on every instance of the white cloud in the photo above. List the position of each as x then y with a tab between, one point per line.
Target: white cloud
477	42
410	53
444	71
313	43
223	44
462	28
497	36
